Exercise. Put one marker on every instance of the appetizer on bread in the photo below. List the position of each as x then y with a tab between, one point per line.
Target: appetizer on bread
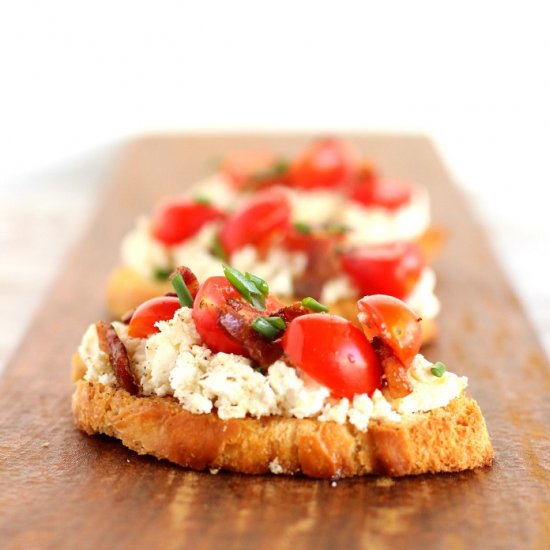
223	375
325	225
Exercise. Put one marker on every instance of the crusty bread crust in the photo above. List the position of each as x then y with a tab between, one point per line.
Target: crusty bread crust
448	439
127	289
431	242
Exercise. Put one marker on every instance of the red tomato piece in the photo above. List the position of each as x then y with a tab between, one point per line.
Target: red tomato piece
325	163
142	323
392	268
264	218
209	304
212	296
251	169
298	240
334	352
386	193
177	219
393	322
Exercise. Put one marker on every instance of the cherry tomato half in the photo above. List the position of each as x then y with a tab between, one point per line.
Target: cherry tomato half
142	323
325	163
258	222
212	296
386	193
394	322
252	169
177	219
210	303
334	352
392	268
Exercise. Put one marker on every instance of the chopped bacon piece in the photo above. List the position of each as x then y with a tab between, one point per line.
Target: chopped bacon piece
238	326
111	344
127	317
289	313
395	372
323	264
189	279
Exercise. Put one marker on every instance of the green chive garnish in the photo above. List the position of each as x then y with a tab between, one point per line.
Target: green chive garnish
201	199
217	248
161	274
270	327
281	166
277	169
314	305
277	322
245	287
336	228
439	369
185	298
261	285
303	228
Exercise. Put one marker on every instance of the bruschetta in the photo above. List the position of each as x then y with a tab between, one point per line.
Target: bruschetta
223	375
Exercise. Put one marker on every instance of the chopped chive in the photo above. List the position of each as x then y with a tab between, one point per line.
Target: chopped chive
161	273
336	228
439	369
277	322
303	228
201	199
313	304
246	288
261	285
265	327
217	248
277	169
185	298
281	167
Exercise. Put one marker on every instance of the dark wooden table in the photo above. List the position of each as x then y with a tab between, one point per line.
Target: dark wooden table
62	489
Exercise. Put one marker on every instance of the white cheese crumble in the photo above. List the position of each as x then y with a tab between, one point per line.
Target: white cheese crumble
275	467
374	224
143	253
315	207
196	254
279	267
217	189
98	367
175	362
339	288
422	298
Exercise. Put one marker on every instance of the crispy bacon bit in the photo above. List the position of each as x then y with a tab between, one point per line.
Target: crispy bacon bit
111	344
238	326
189	279
395	373
127	317
323	263
289	313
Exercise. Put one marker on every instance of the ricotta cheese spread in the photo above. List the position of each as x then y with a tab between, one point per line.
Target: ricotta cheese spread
217	189
175	362
365	224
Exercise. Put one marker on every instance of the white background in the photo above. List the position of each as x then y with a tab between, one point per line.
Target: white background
77	77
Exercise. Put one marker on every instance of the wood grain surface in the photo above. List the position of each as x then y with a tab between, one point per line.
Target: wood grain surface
62	489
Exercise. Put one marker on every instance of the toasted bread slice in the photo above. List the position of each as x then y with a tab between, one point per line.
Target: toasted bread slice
446	439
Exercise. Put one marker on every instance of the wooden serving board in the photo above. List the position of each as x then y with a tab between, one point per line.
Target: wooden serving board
62	489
